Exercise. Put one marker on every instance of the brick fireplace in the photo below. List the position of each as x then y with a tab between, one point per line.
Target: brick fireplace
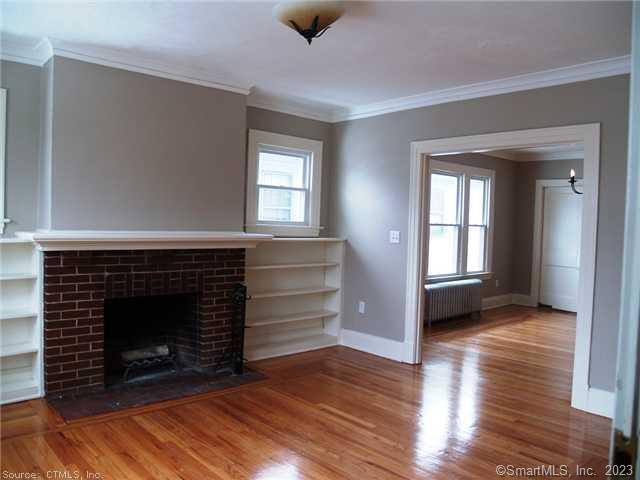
78	284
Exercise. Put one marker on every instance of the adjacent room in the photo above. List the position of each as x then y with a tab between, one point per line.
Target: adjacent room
318	239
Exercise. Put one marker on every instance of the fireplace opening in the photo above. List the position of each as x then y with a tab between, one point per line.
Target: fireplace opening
148	336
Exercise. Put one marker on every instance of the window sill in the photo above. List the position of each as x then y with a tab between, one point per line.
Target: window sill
284	230
480	275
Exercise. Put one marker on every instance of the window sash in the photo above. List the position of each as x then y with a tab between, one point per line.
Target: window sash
306	165
306	158
272	187
460	183
485	235
283	222
485	204
465	175
457	233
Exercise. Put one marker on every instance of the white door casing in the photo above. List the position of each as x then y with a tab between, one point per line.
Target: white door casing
582	397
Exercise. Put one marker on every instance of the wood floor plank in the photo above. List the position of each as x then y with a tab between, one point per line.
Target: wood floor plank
491	391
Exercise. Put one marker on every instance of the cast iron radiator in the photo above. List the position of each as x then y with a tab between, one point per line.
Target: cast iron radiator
451	299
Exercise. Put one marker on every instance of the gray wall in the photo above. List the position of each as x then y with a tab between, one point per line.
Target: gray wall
528	173
132	151
23	130
504	217
370	195
284	124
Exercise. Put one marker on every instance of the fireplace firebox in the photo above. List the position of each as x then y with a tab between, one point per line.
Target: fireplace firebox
109	311
150	335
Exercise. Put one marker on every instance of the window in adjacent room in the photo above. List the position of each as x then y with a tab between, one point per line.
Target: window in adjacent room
460	220
283	184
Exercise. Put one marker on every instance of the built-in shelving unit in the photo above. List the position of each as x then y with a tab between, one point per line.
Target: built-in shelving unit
20	328
295	290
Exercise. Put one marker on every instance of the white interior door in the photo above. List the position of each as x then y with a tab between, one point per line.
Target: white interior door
560	262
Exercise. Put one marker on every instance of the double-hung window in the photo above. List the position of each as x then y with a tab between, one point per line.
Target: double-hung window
460	220
283	184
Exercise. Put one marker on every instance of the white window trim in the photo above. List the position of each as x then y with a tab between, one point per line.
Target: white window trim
468	172
3	140
276	140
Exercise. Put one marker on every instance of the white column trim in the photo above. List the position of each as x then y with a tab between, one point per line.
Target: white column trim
3	166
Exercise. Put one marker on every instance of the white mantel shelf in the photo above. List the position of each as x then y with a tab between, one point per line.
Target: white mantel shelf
60	240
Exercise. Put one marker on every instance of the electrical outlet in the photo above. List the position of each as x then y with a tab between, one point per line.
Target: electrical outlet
497	283
394	236
361	307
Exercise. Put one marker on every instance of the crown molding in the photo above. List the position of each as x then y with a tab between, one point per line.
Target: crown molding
46	48
285	104
39	53
22	52
547	78
138	64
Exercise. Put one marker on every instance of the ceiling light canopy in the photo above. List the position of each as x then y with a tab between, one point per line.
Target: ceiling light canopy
309	19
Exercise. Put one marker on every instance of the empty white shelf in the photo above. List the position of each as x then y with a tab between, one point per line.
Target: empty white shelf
9	313
308	239
290	347
19	390
283	266
293	291
17	349
294	317
296	285
15	240
16	276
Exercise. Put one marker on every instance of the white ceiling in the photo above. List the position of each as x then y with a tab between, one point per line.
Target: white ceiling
378	52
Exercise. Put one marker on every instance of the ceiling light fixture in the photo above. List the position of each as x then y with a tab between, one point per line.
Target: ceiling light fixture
309	19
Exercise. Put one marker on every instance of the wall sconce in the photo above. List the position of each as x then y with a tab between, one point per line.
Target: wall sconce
572	181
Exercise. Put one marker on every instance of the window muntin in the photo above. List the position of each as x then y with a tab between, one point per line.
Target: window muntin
283	186
459	217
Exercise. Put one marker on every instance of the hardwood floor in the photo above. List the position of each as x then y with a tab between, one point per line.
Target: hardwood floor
490	392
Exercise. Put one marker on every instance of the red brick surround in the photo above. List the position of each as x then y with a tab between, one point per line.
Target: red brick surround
76	285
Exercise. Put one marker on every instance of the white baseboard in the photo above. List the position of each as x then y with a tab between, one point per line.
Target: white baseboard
380	346
508	299
600	402
523	300
498	301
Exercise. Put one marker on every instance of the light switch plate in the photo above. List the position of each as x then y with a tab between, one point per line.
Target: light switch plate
394	236
361	307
